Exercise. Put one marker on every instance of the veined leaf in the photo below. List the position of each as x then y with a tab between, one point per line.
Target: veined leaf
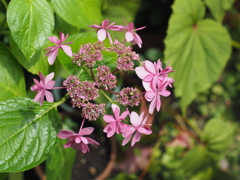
28	133
197	49
12	82
31	23
218	7
78	13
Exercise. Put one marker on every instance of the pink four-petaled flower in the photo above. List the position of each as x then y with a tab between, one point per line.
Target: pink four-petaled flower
77	140
53	50
42	88
102	33
153	95
137	127
115	124
130	34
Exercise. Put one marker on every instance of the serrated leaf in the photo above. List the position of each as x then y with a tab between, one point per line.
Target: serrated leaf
60	162
12	82
28	133
217	135
80	39
37	63
30	24
218	7
78	13
197	49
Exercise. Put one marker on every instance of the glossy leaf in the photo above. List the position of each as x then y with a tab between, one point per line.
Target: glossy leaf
37	63
218	7
28	133
217	135
30	24
77	12
197	48
12	82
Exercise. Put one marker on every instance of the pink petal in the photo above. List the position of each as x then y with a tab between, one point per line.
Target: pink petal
124	115
105	23
109	37
150	95
64	134
136	138
141	72
84	140
48	78
39	95
84	148
130	26
50	85
147	86
158	103
102	34
91	141
140	28
145	130
148	78
78	140
126	140
129	36
111	130
49	96
116	110
52	56
54	39
145	120
109	118
152	105
135	119
164	93
86	131
150	67
67	50
70	143
35	88
95	26
42	78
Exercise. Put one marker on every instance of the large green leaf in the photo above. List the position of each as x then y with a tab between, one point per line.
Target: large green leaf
79	13
80	39
217	135
197	49
31	23
28	133
218	7
37	63
12	82
60	162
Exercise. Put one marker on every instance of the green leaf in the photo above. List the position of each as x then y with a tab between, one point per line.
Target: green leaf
197	49
217	135
60	162
12	82
37	63
195	160
28	133
218	7
30	24
77	12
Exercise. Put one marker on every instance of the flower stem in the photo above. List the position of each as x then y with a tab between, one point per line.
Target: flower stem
62	100
81	125
91	71
106	96
5	4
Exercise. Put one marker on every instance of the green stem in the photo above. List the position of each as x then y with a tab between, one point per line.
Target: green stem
5	4
106	96
235	44
62	100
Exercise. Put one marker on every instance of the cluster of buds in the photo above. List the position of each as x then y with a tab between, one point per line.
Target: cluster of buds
83	93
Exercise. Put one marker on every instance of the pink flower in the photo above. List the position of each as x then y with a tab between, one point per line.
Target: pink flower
115	124
77	140
102	33
154	73
42	88
130	35
53	50
153	95
137	127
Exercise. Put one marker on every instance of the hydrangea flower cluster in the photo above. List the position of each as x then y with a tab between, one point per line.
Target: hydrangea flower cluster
83	93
